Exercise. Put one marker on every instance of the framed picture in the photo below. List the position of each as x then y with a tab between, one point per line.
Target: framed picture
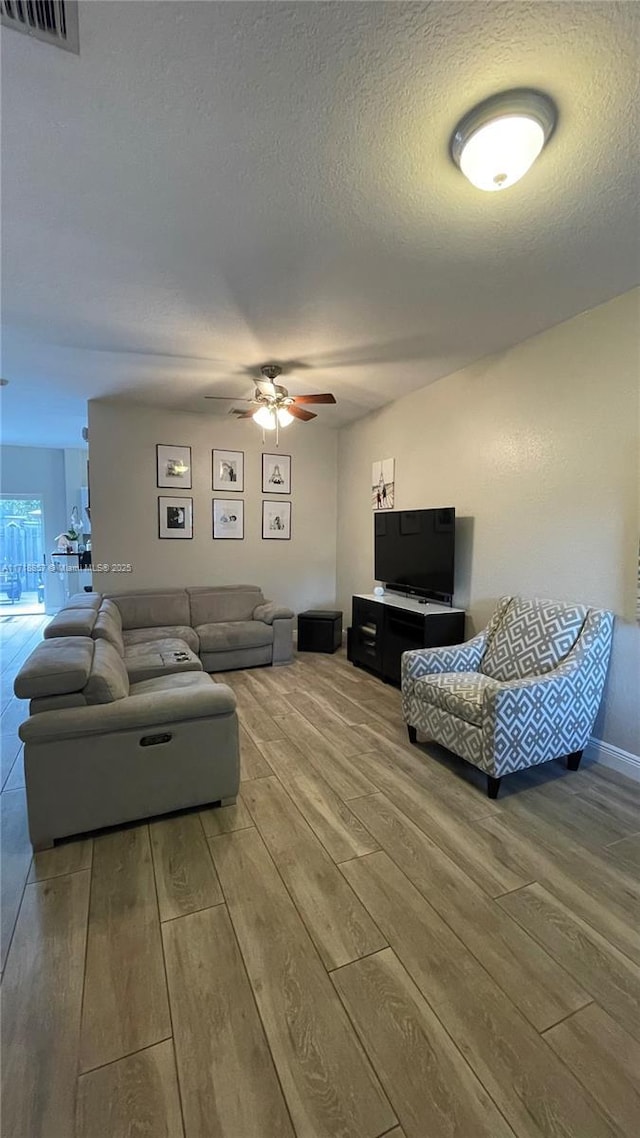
276	521
276	474
173	466
228	518
383	484
228	470
175	518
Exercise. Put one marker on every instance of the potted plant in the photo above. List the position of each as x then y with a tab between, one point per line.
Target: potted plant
68	541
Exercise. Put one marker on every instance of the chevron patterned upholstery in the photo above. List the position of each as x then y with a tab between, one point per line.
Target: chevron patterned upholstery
532	638
461	693
555	657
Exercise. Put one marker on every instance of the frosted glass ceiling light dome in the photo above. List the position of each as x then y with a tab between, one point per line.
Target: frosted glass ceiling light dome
265	417
499	140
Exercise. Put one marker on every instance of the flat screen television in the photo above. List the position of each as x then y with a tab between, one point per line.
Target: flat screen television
415	551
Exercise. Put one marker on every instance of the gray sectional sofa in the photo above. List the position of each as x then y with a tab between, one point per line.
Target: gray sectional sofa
101	750
223	627
124	722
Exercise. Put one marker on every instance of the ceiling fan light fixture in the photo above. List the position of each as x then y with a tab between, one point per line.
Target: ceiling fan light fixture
499	140
284	417
265	417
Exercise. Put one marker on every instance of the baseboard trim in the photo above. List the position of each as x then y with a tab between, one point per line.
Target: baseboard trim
625	762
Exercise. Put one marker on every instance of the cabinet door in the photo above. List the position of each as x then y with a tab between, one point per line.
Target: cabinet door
402	631
366	634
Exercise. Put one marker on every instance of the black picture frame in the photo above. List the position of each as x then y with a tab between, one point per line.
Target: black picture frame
171	482
276	460
220	485
168	522
269	533
235	504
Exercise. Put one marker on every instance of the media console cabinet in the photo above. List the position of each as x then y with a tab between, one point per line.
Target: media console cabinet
382	628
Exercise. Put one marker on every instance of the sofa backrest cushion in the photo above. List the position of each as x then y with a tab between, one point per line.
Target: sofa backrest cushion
108	679
71	622
532	638
108	626
150	608
57	702
55	667
209	606
84	601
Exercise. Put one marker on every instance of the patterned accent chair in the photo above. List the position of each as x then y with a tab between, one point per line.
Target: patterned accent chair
524	691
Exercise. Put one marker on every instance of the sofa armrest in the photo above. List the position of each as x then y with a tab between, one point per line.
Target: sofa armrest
270	611
153	709
455	658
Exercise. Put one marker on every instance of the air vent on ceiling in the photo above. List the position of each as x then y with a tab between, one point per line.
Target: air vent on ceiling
54	21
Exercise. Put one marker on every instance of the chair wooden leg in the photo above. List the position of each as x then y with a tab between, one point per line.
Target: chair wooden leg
573	760
413	734
493	786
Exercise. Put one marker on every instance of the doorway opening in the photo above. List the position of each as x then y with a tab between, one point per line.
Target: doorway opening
22	555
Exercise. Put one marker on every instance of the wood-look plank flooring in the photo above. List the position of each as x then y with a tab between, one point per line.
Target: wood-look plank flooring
363	946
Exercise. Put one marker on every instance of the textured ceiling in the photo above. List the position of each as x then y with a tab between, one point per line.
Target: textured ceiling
211	185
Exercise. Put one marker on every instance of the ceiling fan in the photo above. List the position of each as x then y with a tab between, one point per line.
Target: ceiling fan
275	407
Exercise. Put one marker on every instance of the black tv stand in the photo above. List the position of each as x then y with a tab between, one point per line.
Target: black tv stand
443	601
382	628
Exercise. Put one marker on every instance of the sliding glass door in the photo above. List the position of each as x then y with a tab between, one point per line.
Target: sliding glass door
22	555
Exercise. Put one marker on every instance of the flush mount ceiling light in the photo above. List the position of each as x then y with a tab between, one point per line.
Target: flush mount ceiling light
499	140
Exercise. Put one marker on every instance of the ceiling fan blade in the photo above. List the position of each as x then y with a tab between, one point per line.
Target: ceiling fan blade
242	414
266	387
298	413
314	398
230	398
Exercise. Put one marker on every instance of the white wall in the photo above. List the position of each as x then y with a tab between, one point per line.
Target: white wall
124	508
537	449
39	471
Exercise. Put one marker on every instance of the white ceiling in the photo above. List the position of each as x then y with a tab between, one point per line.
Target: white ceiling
211	185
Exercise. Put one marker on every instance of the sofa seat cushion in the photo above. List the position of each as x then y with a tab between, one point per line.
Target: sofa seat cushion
55	667
220	698
159	658
183	681
163	632
229	636
459	693
533	637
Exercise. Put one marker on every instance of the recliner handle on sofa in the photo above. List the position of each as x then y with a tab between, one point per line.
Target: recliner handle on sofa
153	740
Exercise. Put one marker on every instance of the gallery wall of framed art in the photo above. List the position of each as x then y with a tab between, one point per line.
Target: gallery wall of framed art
298	570
175	515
